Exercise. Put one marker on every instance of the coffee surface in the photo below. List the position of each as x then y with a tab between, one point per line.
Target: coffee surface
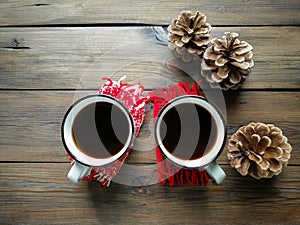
100	130
188	131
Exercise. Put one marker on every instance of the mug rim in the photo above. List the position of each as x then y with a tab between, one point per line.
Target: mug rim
216	149
79	156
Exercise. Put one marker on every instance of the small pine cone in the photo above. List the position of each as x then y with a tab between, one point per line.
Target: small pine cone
260	150
228	61
189	35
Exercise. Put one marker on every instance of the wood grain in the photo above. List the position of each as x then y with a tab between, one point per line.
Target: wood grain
54	52
31	122
37	190
71	58
218	12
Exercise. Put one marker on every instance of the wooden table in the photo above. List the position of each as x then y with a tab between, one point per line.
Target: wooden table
45	49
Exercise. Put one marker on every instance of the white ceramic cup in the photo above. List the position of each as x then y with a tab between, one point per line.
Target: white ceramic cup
189	128
83	160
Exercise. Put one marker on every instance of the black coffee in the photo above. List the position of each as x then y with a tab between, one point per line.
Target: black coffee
188	131
100	130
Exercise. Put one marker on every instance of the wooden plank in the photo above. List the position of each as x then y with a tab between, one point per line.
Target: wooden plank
36	190
144	12
30	125
60	58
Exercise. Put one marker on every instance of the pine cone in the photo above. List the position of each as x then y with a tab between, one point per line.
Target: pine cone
189	35
260	150
229	61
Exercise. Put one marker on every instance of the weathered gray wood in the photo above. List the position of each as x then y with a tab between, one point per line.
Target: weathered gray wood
31	122
64	58
147	12
39	193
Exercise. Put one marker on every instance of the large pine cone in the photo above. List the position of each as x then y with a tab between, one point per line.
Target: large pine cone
189	35
228	61
260	150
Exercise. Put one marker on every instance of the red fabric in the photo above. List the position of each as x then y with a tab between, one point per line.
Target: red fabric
132	97
168	173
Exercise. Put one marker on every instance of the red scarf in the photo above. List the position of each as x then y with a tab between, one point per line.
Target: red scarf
131	96
169	173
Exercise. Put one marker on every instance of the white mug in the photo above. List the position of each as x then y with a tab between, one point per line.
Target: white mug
191	133
96	131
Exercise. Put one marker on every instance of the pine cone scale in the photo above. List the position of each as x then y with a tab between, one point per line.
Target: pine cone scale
264	143
248	56
243	138
173	37
261	172
184	25
273	153
276	138
286	146
223	72
238	44
220	49
251	63
285	157
216	77
199	20
210	54
238	58
217	42
275	166
235	78
179	43
255	157
200	41
255	139
243	50
264	164
244	168
203	30
221	61
243	65
175	30
207	65
186	38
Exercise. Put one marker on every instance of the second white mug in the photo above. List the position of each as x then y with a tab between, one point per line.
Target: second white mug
191	133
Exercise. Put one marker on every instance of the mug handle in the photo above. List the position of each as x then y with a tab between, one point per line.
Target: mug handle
77	172
215	172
